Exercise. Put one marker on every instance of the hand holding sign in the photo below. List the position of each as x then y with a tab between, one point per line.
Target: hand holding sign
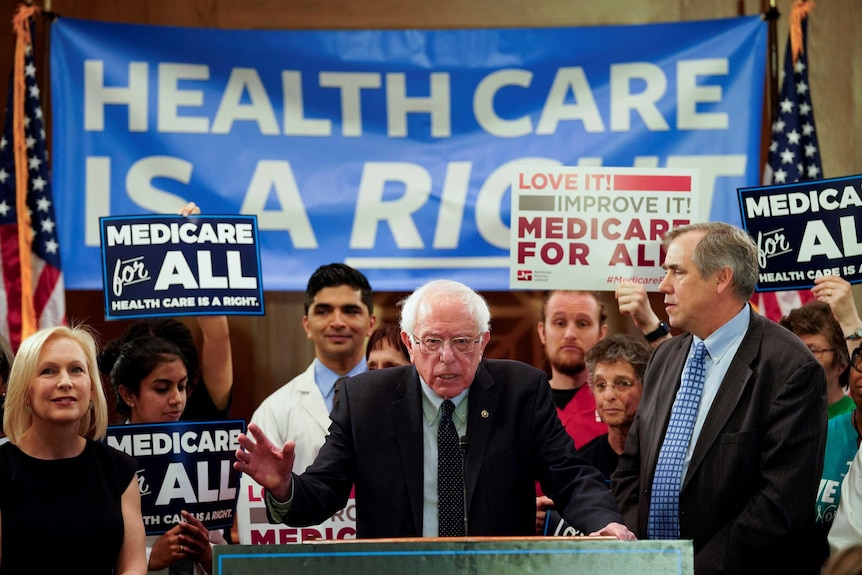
172	547
267	464
543	503
837	292
195	541
190	209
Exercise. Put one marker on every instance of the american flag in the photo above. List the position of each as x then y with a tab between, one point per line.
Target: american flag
794	152
33	258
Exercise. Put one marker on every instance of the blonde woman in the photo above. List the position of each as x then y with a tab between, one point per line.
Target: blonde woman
68	503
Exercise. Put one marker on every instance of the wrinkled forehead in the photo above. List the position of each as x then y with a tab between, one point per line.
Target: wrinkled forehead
445	315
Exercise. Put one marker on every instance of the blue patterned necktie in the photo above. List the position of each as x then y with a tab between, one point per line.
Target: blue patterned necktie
450	480
664	503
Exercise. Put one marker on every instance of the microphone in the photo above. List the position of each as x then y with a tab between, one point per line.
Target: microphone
463	444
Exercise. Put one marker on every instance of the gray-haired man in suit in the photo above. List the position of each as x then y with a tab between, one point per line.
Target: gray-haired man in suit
751	470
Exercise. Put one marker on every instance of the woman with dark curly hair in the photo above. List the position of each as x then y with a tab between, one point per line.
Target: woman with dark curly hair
150	377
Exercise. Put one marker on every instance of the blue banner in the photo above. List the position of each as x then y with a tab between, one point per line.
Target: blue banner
183	466
392	151
171	265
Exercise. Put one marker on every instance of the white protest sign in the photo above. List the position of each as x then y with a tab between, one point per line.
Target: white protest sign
591	228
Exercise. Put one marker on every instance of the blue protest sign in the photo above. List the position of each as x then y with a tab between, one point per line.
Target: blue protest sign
183	466
804	231
174	265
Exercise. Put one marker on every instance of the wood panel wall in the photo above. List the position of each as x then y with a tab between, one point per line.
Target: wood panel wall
268	351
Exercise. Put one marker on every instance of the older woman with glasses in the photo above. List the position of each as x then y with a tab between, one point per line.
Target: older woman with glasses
616	366
817	327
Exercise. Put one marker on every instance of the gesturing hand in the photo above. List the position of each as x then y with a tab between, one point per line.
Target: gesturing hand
267	464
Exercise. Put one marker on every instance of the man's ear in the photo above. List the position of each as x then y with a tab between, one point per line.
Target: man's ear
408	341
724	280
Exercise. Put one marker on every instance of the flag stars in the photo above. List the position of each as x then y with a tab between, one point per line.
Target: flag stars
778	126
34	91
34	163
801	88
786	106
807	129
48	225
4	175
804	108
813	172
793	137
30	142
800	66
38	112
51	246
810	150
4	208
42	204
30	70
780	176
787	156
773	146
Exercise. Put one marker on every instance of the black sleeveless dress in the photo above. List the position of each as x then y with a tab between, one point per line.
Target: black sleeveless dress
62	515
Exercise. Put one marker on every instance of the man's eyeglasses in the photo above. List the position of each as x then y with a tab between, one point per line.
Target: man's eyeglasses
429	345
856	359
820	351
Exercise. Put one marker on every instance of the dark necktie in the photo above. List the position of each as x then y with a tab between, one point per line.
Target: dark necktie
450	480
184	566
664	502
337	389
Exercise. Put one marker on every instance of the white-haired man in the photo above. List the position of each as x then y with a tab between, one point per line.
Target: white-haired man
384	439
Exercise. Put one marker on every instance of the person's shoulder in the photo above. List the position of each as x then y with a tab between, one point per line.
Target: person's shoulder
112	457
274	399
841	422
779	340
7	449
509	364
383	374
512	371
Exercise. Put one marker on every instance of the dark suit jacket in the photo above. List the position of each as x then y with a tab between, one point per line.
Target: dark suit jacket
747	499
515	437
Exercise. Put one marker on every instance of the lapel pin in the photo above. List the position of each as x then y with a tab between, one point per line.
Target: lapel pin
485	414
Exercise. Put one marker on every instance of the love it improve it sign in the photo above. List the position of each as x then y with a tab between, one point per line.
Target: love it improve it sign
591	228
173	265
804	231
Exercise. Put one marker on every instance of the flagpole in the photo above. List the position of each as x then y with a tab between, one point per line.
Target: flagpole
21	24
769	12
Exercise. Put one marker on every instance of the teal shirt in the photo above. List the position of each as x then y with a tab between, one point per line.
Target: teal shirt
841	448
843	405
